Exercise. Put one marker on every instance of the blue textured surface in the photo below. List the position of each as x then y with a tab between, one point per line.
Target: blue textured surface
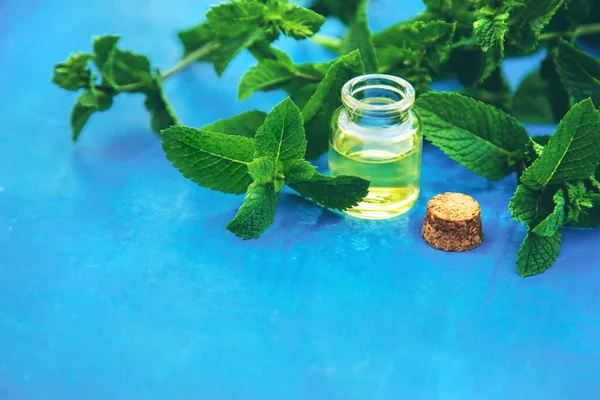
118	280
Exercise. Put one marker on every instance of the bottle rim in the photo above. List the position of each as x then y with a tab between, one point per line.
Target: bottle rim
386	82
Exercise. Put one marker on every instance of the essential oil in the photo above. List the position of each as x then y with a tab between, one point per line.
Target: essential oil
376	136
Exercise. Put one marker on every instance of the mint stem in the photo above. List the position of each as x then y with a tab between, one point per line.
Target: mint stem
583	30
329	42
190	59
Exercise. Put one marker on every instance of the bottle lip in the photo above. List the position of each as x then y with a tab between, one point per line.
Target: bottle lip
404	89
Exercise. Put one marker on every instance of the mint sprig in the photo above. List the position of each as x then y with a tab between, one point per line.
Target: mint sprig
258	166
558	185
120	71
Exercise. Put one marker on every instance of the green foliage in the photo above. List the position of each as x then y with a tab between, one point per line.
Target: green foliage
531	101
259	165
245	124
537	253
478	136
579	71
121	71
359	37
257	154
573	152
414	50
246	24
326	99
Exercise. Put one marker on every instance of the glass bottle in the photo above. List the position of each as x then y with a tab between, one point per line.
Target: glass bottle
376	135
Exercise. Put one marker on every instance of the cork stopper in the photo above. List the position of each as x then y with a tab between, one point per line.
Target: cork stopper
453	222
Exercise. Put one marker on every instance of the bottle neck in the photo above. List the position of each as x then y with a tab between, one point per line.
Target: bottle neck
378	100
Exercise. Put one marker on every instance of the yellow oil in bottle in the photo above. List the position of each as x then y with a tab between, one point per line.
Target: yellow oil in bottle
394	170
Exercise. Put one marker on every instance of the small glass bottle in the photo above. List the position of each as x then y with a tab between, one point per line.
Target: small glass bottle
376	135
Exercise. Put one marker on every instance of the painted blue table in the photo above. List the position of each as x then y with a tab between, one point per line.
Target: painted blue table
118	280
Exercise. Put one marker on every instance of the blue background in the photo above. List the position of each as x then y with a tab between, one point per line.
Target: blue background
119	281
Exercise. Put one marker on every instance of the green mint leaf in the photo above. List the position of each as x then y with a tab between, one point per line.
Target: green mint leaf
553	222
282	137
84	109
572	153
480	137
103	48
531	100
339	193
212	160
359	37
298	171
122	70
345	10
257	213
583	207
427	43
228	50
323	103
163	115
73	74
527	22
494	91
267	75
245	124
537	253
89	98
579	71
301	90
125	69
528	206
557	92
236	17
490	32
219	50
262	170
300	23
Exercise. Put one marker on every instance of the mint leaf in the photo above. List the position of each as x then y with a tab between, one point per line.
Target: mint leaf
490	32
342	9
553	222
84	109
583	208
126	69
572	153
528	207
218	50
579	71
480	137
298	171
359	37
236	17
267	75
494	91
414	50
262	170
163	115
340	193
212	160
300	23
245	124
120	69
257	213
73	74
282	137
531	100
537	253
103	48
323	103
527	22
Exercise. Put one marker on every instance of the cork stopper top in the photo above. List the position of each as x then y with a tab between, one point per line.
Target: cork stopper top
454	207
